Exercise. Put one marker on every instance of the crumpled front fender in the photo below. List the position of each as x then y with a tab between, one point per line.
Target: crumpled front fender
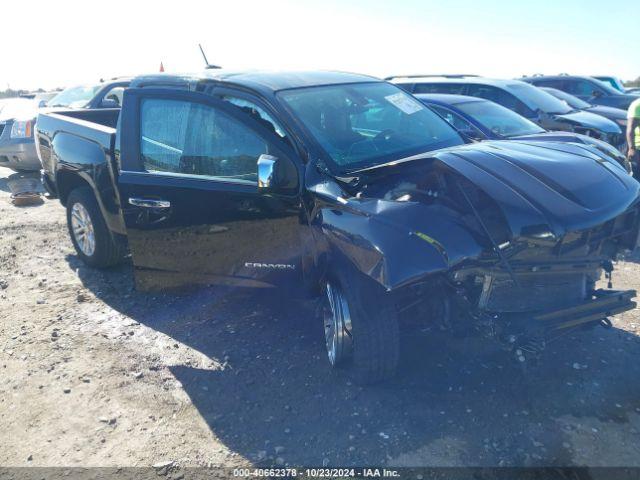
375	240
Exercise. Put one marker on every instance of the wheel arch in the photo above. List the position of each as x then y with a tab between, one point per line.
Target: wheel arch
67	181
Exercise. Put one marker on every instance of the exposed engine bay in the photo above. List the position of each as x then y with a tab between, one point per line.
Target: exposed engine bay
449	192
525	288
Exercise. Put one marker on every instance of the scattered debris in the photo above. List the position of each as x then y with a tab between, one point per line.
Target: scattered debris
24	199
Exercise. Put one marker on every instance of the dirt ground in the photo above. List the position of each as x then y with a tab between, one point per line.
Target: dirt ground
93	373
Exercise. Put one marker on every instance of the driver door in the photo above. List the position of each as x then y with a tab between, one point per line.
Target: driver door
190	199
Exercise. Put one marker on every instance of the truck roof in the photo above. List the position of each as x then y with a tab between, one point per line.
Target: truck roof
258	80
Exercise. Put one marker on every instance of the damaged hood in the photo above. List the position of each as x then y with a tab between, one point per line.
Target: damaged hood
530	190
554	187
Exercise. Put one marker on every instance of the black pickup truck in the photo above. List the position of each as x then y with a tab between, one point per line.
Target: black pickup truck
350	188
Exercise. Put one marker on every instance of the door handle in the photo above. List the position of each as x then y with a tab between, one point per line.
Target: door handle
149	203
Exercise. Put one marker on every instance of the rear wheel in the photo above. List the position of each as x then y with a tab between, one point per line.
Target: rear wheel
91	238
361	328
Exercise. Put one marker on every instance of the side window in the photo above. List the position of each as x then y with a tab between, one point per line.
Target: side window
551	83
580	88
407	87
500	97
485	91
448	88
521	108
458	122
193	139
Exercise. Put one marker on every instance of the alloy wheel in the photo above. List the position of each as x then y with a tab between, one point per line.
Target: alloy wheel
82	228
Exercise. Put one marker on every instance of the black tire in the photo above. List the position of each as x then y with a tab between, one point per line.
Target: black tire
375	330
108	250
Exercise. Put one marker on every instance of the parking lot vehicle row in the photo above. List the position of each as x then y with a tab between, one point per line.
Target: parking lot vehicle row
530	102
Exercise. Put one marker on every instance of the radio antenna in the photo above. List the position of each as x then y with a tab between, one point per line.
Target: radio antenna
206	62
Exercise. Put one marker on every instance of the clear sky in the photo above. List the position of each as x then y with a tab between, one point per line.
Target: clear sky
50	44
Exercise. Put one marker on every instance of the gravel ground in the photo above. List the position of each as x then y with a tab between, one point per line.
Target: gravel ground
93	373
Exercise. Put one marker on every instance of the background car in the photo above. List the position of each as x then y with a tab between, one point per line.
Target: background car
588	89
41	98
17	120
616	115
480	119
523	98
18	117
99	95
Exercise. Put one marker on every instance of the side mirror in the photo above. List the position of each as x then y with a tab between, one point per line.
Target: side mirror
276	175
596	94
267	172
109	103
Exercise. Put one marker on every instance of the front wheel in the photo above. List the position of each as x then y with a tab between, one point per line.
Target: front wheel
361	328
94	243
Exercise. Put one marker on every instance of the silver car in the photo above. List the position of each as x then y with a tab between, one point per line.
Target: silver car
17	121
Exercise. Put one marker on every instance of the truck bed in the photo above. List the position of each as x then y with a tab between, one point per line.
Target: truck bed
77	137
107	117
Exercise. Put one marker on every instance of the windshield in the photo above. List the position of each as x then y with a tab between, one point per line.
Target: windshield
366	124
498	119
74	96
573	102
537	99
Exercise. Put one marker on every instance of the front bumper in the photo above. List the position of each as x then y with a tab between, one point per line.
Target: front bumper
17	153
